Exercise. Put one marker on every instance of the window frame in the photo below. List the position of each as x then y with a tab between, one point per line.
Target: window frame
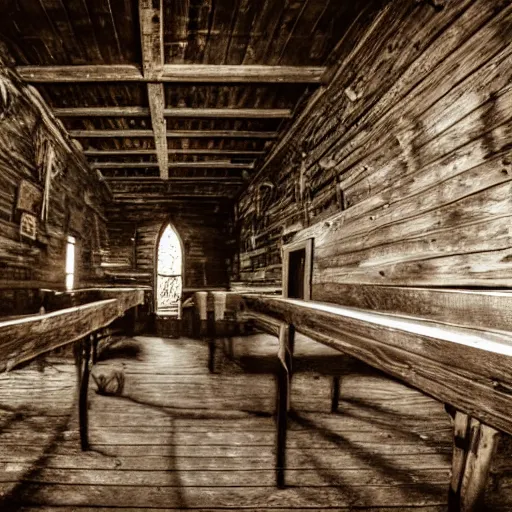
70	261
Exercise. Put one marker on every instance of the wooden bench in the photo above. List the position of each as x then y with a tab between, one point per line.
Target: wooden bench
467	367
24	339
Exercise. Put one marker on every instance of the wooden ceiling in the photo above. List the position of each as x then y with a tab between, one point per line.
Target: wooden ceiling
176	98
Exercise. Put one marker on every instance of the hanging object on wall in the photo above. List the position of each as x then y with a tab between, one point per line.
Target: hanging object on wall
29	197
303	188
8	93
28	225
264	197
76	219
49	168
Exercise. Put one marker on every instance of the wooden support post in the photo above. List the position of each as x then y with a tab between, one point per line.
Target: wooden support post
83	413
282	402
95	339
78	355
201	302
211	349
219	325
335	394
473	449
131	320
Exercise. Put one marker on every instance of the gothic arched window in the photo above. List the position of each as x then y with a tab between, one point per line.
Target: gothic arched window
169	270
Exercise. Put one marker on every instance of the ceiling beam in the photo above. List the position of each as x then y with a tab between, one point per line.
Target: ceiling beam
191	151
228	134
152	42
214	113
91	73
191	202
215	164
222	180
159	198
173	73
156	105
240	74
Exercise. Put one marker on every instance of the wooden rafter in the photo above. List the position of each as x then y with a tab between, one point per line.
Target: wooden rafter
214	164
99	73
156	105
224	180
152	42
215	113
162	198
228	134
191	151
173	72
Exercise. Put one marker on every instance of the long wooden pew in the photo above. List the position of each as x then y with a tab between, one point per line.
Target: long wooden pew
468	367
23	339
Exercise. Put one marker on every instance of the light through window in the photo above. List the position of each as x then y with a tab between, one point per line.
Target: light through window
169	264
70	263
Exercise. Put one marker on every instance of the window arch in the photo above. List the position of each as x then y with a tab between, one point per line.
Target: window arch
169	267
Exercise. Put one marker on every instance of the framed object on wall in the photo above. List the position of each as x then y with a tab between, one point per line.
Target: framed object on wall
28	225
298	269
29	197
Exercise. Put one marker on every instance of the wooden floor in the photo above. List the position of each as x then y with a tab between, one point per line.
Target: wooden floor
180	438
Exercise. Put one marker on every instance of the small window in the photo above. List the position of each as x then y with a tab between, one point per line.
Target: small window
70	263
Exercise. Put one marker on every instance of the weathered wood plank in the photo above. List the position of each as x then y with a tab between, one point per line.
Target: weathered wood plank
486	309
218	478
152	41
190	151
73	495
156	99
175	134
174	73
181	112
83	73
212	164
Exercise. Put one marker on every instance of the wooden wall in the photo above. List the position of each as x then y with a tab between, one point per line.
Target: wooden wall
203	227
28	134
402	170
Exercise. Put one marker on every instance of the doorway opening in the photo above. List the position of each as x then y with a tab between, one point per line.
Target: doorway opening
169	282
297	269
296	266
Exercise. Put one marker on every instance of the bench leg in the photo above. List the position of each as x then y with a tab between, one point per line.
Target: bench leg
83	413
335	394
211	355
283	398
131	317
284	374
473	449
94	356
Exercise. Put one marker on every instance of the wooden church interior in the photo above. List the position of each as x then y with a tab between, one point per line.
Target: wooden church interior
255	255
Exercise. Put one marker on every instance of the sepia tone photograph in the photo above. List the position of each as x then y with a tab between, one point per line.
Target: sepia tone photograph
256	255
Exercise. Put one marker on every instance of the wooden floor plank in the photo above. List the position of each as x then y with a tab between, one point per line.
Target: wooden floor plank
245	497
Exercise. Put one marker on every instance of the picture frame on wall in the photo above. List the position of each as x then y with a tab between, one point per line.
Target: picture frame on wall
28	225
30	197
